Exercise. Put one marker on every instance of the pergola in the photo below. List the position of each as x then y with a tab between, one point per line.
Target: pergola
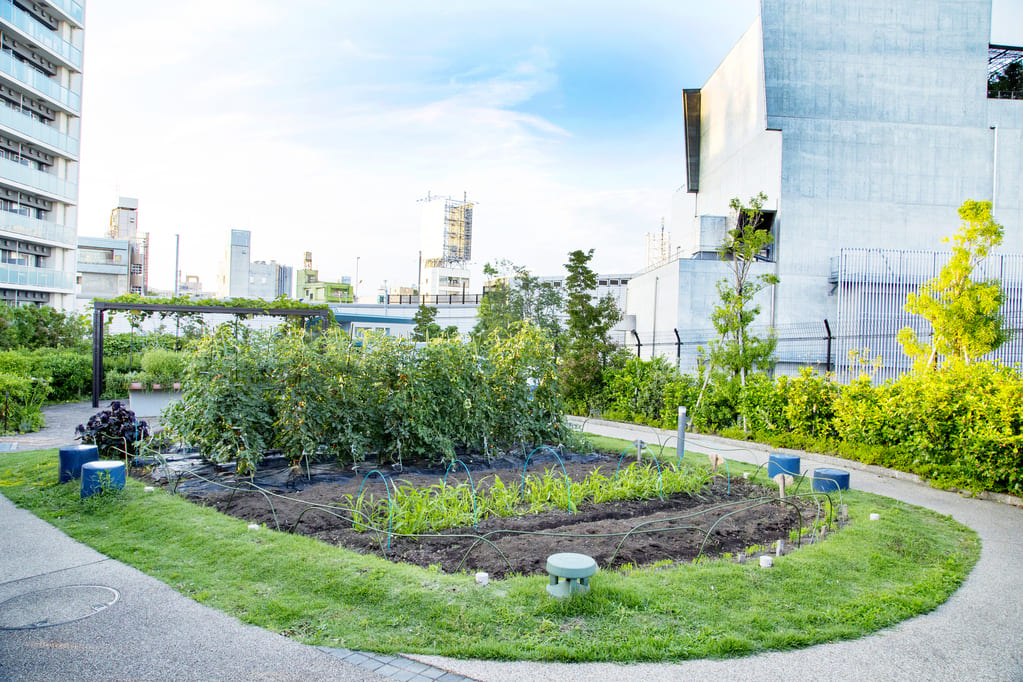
99	307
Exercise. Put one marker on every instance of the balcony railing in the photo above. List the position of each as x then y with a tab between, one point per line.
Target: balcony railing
35	179
40	34
37	130
40	229
70	8
441	299
21	275
32	78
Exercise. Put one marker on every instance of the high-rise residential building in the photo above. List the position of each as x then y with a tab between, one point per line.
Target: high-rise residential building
40	108
124	224
233	278
446	245
866	123
240	277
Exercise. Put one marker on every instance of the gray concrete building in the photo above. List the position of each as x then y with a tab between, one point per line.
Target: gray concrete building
40	129
867	123
103	269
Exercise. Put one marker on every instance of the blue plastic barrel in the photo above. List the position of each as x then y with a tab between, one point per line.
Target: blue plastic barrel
778	463
96	475
830	480
72	457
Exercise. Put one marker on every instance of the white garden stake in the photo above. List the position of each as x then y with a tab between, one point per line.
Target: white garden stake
781	547
783	480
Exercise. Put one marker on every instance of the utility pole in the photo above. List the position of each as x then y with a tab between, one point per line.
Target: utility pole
177	255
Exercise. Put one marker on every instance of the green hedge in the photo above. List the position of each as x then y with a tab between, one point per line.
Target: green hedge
960	426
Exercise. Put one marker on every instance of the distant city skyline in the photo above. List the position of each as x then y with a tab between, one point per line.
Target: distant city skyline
317	126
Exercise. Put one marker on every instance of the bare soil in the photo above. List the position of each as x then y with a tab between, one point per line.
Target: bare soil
680	528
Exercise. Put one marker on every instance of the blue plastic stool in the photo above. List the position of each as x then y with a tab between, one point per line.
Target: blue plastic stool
97	475
72	457
830	480
782	464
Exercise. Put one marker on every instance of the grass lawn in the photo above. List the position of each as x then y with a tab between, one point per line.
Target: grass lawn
868	576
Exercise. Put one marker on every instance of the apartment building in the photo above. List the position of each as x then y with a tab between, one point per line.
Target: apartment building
40	123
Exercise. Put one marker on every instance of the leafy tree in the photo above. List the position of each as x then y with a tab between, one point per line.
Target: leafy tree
738	352
517	296
1008	83
964	313
426	328
589	349
32	327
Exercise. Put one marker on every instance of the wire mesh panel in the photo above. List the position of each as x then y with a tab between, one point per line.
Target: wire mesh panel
872	285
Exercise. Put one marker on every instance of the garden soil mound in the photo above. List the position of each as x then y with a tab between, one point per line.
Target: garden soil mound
721	518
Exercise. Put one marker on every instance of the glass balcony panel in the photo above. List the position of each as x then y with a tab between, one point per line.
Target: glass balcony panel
38	130
34	79
9	170
42	35
71	8
40	229
36	277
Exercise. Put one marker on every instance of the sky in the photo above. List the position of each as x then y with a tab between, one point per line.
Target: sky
319	124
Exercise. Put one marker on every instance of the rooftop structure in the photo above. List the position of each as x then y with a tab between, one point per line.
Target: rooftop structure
446	245
867	123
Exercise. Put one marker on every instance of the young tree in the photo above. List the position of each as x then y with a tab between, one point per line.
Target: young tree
516	296
426	328
738	352
964	314
589	348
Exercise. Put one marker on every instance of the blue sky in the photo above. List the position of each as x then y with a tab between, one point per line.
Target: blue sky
317	124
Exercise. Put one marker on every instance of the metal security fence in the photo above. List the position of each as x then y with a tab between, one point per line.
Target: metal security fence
870	287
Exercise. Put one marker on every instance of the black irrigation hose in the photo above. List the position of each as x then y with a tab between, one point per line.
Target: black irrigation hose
478	539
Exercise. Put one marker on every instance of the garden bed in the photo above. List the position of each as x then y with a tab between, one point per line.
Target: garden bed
721	518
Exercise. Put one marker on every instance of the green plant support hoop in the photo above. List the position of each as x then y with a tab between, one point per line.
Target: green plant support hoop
475	512
568	481
390	502
660	475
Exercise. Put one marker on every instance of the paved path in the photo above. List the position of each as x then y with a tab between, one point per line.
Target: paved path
151	632
154	633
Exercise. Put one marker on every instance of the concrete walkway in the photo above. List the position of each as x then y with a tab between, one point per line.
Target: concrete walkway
68	612
151	632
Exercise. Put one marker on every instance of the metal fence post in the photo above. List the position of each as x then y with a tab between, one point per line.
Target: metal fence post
827	359
683	421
